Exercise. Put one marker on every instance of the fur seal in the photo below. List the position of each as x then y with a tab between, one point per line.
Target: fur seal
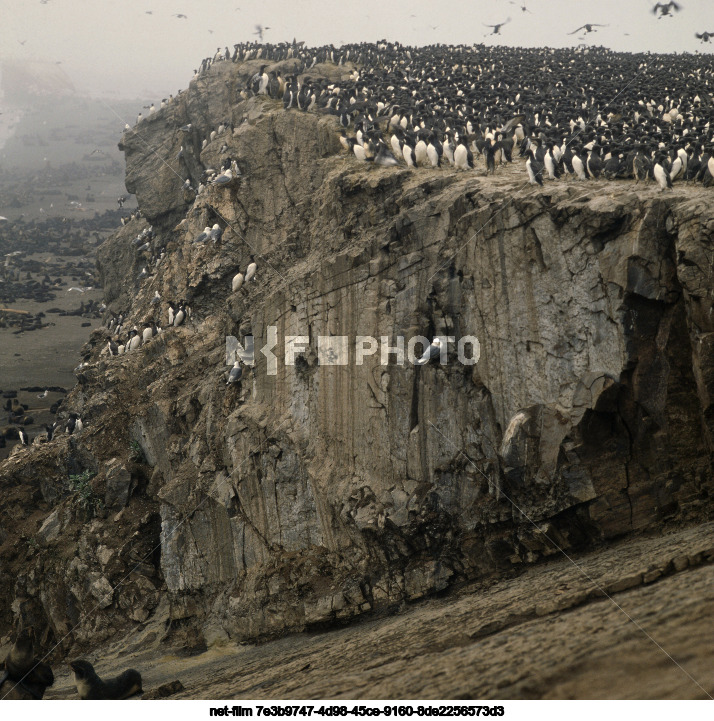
22	676
91	687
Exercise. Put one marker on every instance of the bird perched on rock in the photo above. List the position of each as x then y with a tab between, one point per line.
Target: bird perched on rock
148	333
259	82
534	168
134	340
216	233
180	315
204	235
593	163
251	269
463	157
432	351
223	179
237	282
660	173
91	687
74	424
236	374
383	157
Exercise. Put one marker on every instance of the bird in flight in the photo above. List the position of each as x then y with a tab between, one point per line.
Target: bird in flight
180	15
588	28
259	30
665	9
497	28
704	37
523	7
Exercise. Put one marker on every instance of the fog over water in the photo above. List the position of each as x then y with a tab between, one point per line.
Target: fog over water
139	48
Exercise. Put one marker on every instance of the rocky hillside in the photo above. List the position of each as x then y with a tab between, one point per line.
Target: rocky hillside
325	492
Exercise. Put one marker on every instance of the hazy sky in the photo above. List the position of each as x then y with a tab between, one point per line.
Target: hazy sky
116	48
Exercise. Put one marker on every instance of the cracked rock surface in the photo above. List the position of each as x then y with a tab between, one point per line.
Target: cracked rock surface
550	632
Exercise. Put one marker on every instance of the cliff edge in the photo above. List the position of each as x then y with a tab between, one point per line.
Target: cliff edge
308	497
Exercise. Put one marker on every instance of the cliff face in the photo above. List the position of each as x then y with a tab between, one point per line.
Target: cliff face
325	491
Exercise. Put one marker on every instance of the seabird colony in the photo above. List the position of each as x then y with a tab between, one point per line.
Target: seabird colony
584	113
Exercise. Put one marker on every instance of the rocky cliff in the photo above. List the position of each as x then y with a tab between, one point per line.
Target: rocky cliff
322	492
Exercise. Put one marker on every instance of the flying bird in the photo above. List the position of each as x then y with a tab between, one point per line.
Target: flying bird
497	28
259	30
704	37
588	28
180	15
665	9
523	7
512	123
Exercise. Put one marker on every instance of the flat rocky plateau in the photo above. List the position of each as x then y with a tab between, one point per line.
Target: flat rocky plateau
550	632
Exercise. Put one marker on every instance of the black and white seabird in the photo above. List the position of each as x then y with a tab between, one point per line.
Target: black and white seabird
497	27
588	27
180	315
74	424
534	168
660	173
665	9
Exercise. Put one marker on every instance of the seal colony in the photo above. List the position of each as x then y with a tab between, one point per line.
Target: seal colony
25	677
